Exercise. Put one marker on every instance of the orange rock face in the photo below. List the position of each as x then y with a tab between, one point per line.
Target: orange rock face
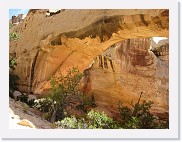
50	45
125	70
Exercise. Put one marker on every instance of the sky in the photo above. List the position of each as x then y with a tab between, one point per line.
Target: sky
17	11
157	39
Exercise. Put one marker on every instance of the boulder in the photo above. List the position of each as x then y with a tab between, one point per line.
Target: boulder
26	123
16	94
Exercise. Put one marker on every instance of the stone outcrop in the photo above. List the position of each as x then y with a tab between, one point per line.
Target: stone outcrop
48	45
17	19
26	123
21	119
161	49
125	70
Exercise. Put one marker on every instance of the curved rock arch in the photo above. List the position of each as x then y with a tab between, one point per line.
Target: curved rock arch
74	38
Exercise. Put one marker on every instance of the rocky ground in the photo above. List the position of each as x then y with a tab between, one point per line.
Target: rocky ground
23	117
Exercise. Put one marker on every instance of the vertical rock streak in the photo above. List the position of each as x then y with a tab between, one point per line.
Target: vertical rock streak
32	70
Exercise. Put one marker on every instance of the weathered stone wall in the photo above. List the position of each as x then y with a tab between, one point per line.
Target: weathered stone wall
17	19
48	45
125	70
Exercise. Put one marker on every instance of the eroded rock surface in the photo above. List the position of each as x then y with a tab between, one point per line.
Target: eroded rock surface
48	45
125	70
23	117
74	38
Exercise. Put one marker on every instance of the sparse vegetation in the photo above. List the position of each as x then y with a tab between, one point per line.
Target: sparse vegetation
13	78
139	116
25	108
93	120
13	36
64	92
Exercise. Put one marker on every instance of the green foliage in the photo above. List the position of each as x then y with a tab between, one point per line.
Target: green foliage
24	98
64	92
93	120
12	64
12	83
25	108
71	123
139	116
10	25
13	36
31	103
100	120
86	103
46	116
43	104
13	79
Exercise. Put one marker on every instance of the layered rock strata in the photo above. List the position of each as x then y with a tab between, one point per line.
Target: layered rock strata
48	45
126	69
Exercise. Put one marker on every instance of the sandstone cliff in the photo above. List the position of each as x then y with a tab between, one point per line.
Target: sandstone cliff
50	45
125	70
75	38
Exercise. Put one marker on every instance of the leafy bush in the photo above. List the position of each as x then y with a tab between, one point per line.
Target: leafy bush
64	92
139	116
12	64
93	120
12	83
12	77
43	104
71	123
25	108
13	36
100	120
10	25
24	98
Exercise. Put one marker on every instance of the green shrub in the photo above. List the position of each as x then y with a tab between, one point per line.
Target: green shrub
12	64
12	83
13	36
139	116
13	79
43	104
46	116
100	120
10	25
65	92
93	120
71	123
25	108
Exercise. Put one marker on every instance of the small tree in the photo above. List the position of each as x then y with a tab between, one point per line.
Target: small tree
65	92
139	116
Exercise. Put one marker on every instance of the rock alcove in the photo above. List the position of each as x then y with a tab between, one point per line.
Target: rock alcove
62	41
